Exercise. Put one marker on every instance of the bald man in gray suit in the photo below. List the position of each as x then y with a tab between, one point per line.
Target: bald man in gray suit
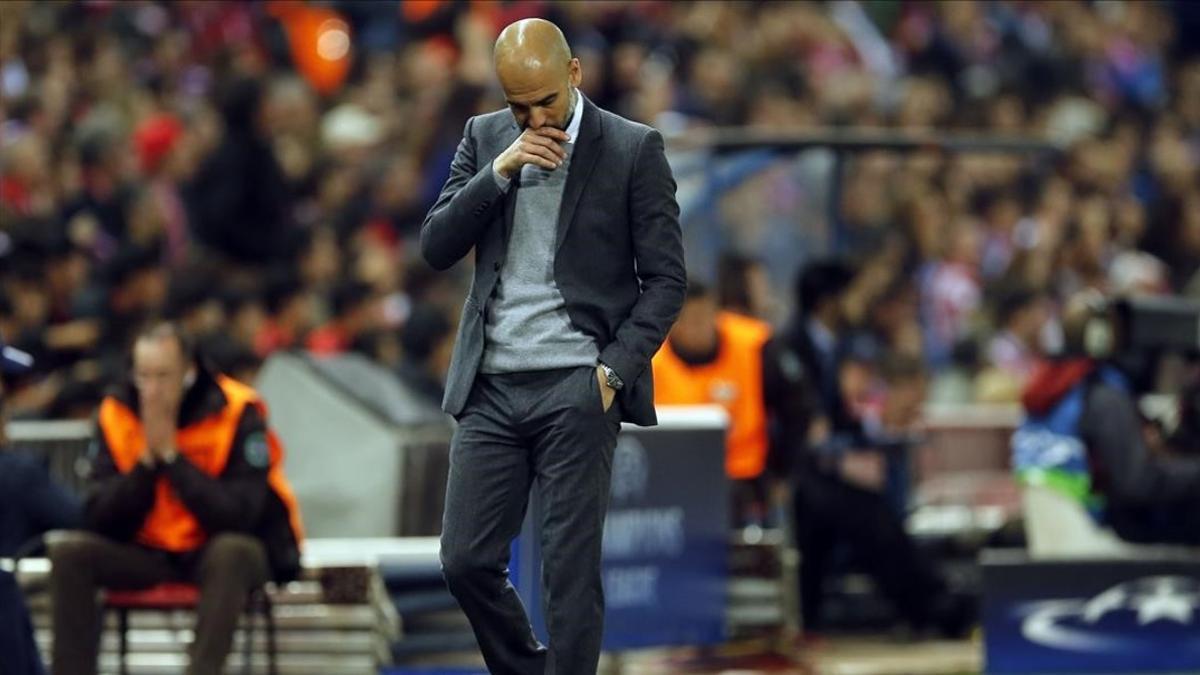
579	274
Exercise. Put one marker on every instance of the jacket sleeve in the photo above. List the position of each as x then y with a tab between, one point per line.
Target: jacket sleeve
790	406
233	501
658	254
1111	428
464	209
115	503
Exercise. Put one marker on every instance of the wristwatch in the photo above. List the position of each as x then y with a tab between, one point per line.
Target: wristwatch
611	378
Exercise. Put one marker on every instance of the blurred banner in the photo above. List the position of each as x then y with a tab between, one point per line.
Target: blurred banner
1091	616
666	538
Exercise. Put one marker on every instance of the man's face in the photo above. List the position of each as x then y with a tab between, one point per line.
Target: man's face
695	332
160	369
539	96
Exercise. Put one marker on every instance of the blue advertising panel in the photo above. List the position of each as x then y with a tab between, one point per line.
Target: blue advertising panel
665	538
1091	616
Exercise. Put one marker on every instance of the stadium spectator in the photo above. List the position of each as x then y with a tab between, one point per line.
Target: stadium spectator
718	357
950	289
744	287
356	313
289	316
166	159
186	485
1022	317
107	193
840	505
194	302
137	287
426	341
240	196
815	338
246	311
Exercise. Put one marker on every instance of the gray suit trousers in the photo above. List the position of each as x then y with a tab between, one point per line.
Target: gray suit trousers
546	429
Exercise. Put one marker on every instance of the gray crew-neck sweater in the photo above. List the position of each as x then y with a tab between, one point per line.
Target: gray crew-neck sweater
527	326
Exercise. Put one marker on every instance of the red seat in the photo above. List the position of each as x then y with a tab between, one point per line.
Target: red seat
172	596
162	596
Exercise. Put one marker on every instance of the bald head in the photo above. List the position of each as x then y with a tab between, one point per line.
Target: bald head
531	44
537	72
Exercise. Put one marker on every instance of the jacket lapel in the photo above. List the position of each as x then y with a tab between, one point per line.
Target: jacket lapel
510	198
583	160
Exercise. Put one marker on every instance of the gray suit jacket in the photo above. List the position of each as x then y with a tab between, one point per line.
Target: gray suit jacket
619	262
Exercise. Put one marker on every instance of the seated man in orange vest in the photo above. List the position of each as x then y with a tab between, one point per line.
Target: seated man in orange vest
719	357
186	486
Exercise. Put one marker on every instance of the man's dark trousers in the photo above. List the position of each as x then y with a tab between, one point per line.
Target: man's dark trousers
546	429
227	569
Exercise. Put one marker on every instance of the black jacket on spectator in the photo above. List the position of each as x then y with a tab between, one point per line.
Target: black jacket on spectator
823	373
240	202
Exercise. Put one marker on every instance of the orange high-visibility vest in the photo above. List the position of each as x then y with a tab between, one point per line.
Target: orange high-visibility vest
206	444
733	380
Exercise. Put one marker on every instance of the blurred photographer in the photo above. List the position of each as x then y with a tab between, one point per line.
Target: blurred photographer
1085	437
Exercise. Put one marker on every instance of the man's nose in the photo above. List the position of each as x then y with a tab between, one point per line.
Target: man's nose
537	119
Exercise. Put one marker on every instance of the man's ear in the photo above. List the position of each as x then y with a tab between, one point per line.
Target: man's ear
574	73
189	378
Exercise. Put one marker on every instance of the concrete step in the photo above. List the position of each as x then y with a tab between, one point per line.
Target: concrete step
158	641
173	664
288	617
754	589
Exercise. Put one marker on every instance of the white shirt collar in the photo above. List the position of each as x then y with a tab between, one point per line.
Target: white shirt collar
576	117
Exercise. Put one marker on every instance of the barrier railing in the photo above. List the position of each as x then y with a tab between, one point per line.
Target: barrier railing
63	444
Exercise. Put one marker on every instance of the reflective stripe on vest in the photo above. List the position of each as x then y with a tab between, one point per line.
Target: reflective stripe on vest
733	381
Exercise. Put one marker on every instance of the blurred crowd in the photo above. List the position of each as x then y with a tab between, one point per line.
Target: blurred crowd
259	172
